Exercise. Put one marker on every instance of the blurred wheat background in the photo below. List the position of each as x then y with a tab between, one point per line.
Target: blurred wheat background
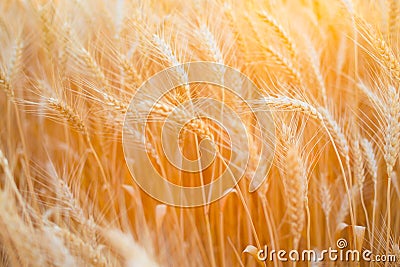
329	72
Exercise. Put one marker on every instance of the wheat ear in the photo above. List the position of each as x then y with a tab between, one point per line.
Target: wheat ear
65	111
17	235
232	20
9	75
296	188
57	252
280	32
392	133
93	66
370	158
393	17
124	245
11	182
5	85
292	104
337	133
392	148
380	106
211	44
386	56
359	173
277	57
130	70
315	65
81	249
68	113
333	130
166	51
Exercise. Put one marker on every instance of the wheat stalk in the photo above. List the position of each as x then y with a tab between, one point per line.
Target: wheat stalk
372	168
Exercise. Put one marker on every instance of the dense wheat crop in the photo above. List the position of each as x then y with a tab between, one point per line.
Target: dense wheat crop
327	71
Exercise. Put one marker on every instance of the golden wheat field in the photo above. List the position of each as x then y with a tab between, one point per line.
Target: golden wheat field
75	147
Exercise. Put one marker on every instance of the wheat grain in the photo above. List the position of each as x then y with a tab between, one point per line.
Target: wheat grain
372	168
